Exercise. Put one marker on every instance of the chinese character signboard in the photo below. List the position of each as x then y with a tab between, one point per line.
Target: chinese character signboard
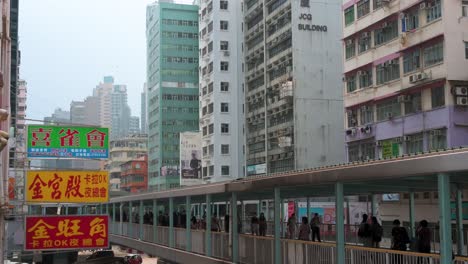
67	186
67	142
66	232
190	155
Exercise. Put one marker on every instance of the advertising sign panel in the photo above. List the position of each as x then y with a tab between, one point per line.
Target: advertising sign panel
67	142
190	159
66	232
67	186
256	169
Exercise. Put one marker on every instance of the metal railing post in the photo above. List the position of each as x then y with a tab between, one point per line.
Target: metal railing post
459	207
340	242
130	219
233	229
155	221
171	222
443	180
140	218
188	231
277	226
208	226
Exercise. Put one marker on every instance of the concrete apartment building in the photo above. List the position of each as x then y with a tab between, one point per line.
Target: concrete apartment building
293	88
85	112
405	75
134	175
121	151
144	110
172	80
222	95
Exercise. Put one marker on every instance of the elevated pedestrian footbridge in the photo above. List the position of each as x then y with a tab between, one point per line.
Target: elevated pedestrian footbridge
445	172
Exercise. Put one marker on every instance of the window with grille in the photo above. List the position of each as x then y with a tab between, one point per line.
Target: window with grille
438	97
349	15
224	149
225	170
433	54
434	11
415	143
223	25
224	107
224	128
411	61
223	4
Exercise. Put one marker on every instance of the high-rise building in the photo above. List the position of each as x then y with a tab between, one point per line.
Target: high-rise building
293	88
222	96
406	83
172	79
58	116
134	125
18	164
120	112
144	110
15	63
114	111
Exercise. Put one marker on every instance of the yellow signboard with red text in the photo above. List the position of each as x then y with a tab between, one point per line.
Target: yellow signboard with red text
67	186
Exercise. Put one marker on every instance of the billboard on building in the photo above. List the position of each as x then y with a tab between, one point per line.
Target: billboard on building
67	186
67	142
66	232
190	159
257	169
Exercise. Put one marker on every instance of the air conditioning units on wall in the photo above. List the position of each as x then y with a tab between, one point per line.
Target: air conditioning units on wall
460	91
418	77
462	101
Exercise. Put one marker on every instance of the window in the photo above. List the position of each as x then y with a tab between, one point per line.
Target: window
224	45
466	50
414	143
205	131
388	71
352	118
224	87
223	4
386	33
224	149
410	21
434	12
205	171
350	48
211	170
365	78
224	66
438	97
223	25
349	15
224	107
225	170
437	139
364	42
411	61
224	128
377	4
368	151
363	8
433	54
351	83
413	104
211	129
367	115
210	108
353	152
465	8
388	109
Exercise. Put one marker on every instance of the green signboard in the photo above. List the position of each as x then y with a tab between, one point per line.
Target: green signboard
390	149
67	142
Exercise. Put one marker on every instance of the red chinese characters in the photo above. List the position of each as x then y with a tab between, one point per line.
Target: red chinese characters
66	232
70	138
41	137
96	138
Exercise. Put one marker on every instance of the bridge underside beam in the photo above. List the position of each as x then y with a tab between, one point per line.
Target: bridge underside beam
167	253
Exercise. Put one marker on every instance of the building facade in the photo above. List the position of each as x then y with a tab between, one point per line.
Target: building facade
293	92
144	110
123	150
222	96
172	80
135	175
134	125
58	116
406	83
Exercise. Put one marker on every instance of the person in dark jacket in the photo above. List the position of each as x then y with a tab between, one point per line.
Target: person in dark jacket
400	237
423	233
376	232
262	224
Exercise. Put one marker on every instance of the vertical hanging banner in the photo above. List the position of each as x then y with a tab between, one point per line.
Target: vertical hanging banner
67	186
67	142
66	232
190	159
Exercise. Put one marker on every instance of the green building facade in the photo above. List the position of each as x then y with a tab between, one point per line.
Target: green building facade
172	77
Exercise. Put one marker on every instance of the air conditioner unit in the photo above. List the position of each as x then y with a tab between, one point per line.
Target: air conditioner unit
226	53
461	90
462	101
422	5
351	132
404	98
413	78
421	76
389	115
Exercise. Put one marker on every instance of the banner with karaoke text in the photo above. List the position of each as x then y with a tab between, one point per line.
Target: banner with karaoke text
67	186
66	232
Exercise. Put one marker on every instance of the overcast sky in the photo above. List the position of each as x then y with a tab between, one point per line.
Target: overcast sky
67	46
